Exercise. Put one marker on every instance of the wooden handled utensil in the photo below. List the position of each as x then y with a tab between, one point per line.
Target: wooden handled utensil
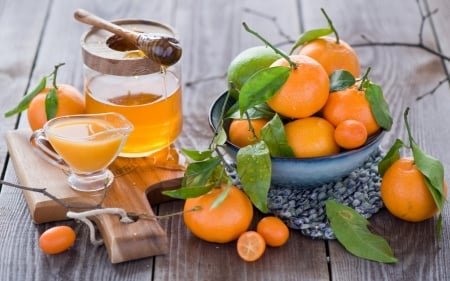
163	49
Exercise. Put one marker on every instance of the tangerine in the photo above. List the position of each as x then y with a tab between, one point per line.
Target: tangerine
251	246
274	231
350	103
311	137
332	55
240	134
405	193
70	101
221	224
350	134
305	91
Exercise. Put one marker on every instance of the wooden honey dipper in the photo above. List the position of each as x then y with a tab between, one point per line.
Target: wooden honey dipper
162	49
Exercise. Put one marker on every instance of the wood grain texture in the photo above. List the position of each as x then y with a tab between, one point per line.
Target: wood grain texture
211	34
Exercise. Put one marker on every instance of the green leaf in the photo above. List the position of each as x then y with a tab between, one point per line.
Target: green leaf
199	173
188	192
309	36
261	86
274	136
433	170
197	155
51	104
220	137
340	80
351	231
25	102
260	111
391	156
220	198
379	106
254	168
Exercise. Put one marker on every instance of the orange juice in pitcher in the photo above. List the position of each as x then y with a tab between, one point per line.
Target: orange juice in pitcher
118	78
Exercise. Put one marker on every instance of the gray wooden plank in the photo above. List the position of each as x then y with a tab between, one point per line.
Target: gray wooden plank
17	53
404	73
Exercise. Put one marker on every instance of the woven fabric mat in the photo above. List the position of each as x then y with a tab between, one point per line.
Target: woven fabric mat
304	209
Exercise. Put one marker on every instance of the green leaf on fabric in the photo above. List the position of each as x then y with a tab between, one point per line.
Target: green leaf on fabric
197	155
254	168
352	232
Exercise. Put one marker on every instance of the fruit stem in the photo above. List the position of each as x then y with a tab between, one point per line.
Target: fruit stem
364	79
55	73
330	23
292	64
408	129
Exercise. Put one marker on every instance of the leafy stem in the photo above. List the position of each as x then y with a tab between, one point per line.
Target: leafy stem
54	74
330	24
292	64
364	79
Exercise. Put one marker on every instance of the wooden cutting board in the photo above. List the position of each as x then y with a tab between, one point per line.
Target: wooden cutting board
138	183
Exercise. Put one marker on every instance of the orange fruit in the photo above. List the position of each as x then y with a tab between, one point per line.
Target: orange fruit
331	55
221	224
350	134
57	239
350	103
251	246
311	137
306	90
405	193
70	101
273	230
240	134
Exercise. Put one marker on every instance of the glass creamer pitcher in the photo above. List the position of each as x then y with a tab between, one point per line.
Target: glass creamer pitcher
84	145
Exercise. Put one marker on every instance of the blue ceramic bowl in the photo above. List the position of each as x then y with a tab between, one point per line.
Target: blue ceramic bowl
304	172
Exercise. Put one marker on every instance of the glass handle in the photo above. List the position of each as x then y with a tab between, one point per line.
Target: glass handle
45	150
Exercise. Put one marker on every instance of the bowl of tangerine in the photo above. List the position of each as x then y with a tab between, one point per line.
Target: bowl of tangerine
319	124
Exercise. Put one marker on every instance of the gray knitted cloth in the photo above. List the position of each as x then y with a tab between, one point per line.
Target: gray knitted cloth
304	209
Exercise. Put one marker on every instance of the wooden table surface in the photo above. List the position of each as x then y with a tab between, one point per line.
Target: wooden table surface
36	35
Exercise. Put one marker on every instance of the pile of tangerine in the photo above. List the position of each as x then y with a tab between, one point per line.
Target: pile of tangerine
320	123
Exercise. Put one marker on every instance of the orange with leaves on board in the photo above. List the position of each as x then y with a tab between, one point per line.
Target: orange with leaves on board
405	193
332	55
350	103
274	231
350	134
240	133
311	137
223	223
306	90
70	101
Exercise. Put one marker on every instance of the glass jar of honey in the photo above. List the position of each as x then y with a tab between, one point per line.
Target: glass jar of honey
120	78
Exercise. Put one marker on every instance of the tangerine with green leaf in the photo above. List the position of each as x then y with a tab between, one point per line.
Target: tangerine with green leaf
70	101
306	90
405	193
222	223
350	104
